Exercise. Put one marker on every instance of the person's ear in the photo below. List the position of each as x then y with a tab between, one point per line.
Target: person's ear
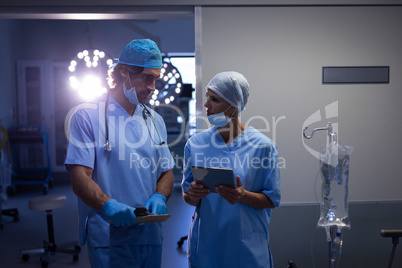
124	73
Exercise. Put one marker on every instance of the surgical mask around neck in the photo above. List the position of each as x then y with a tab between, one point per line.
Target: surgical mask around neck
130	94
220	119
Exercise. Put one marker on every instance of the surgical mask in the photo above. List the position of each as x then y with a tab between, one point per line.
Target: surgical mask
130	94
220	119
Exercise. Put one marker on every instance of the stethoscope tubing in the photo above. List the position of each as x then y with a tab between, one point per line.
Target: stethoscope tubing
108	146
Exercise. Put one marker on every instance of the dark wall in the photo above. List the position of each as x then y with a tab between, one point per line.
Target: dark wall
294	236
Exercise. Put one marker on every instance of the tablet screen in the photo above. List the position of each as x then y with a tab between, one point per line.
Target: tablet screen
212	177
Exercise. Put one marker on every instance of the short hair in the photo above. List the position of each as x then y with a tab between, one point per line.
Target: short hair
114	76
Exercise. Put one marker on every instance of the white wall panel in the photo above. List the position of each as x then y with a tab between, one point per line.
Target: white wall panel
281	50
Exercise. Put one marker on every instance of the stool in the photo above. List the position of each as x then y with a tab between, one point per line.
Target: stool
49	203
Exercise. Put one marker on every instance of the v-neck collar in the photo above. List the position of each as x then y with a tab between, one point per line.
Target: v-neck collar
235	142
137	111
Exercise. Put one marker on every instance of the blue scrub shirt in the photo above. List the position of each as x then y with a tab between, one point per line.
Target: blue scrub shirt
225	235
128	173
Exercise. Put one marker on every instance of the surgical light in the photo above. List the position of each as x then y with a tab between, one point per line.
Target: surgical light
89	70
180	119
168	85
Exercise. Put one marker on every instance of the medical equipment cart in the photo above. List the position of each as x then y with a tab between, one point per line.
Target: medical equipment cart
31	159
5	176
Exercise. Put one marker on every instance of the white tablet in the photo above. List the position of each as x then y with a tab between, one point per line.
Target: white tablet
212	177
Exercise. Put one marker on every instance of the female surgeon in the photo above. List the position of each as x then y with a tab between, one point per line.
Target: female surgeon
230	228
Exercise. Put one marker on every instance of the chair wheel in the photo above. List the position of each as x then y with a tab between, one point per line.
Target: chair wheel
77	249
45	264
75	258
25	257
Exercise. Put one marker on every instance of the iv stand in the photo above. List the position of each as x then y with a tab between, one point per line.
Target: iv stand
332	137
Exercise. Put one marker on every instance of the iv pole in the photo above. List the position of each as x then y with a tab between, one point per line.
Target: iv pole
332	137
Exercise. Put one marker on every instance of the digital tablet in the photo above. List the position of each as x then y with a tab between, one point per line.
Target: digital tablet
212	177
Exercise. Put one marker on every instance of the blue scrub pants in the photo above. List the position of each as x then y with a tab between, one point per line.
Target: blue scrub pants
135	256
98	256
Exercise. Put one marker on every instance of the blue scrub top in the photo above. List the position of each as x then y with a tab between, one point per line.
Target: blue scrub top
225	235
128	173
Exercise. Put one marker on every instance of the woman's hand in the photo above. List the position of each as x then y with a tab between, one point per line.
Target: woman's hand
195	193
232	195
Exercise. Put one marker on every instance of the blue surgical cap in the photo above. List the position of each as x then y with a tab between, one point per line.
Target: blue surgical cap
232	87
143	53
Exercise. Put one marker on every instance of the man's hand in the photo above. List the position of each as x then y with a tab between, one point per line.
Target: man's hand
120	214
157	204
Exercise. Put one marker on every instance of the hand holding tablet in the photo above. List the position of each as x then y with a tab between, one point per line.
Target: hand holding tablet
212	177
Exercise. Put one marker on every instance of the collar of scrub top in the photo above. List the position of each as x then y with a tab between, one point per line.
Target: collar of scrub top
145	112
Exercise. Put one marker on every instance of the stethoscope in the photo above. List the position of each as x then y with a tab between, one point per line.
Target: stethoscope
145	112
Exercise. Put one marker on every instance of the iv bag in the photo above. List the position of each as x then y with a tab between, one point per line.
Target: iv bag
334	169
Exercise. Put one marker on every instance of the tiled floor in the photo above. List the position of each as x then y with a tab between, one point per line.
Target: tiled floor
31	230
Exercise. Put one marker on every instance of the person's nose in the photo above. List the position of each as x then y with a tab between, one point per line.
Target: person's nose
206	104
151	87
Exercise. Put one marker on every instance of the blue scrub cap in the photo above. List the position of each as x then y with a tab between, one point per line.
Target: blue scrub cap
143	53
232	87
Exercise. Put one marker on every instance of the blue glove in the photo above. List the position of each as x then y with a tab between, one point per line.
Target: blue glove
120	214
157	204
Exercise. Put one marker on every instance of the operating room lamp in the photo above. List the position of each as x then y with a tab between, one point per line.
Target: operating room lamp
168	86
88	71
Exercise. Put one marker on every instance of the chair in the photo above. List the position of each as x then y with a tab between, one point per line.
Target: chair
49	203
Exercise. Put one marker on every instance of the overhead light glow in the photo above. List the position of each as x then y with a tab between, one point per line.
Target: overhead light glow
89	69
91	87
